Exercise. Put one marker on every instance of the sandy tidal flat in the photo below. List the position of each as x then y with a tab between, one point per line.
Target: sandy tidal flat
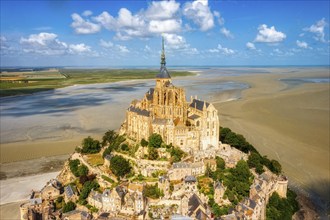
289	123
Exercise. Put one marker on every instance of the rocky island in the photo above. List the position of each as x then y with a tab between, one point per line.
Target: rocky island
169	160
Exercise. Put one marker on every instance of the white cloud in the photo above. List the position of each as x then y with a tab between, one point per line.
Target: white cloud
302	44
214	50
318	30
147	49
79	48
114	47
199	12
164	26
162	10
220	19
175	41
226	33
106	20
87	13
122	49
49	44
82	26
269	35
106	44
250	46
223	50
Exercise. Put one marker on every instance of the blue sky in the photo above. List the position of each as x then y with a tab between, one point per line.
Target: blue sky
128	33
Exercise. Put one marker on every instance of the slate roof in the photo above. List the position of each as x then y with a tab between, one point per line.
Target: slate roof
199	104
139	111
193	117
69	191
190	179
193	203
163	73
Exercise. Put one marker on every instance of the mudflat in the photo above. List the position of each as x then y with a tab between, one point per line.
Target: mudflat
289	123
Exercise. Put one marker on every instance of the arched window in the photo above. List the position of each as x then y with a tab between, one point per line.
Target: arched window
197	124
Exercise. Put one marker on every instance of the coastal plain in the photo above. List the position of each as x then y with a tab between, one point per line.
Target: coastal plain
286	122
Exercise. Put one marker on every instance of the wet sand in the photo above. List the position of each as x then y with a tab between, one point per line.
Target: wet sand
289	124
285	122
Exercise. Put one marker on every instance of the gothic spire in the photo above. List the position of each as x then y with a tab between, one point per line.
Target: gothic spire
163	73
162	58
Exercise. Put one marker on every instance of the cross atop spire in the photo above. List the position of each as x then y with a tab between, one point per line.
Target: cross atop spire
162	58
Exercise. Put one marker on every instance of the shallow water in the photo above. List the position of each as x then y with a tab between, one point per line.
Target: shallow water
84	109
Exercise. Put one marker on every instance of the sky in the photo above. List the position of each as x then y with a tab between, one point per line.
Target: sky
199	33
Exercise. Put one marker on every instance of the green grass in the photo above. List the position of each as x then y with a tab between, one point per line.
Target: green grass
40	82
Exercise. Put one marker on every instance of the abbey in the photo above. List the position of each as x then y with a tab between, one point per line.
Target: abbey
191	125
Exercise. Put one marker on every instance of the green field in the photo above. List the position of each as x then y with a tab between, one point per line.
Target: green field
43	80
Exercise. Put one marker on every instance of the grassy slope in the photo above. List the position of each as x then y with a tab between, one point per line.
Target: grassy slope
79	76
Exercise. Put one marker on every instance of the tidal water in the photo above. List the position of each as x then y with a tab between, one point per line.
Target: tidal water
91	109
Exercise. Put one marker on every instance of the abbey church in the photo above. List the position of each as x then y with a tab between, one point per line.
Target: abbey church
191	125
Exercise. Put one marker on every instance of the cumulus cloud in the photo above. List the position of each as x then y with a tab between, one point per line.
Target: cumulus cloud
250	46
78	48
302	44
199	12
165	26
87	13
269	35
226	33
223	50
114	47
82	26
318	30
106	44
162	10
160	17
49	44
175	41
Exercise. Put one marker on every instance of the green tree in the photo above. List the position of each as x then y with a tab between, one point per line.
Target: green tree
119	166
82	170
109	137
223	133
281	208
276	167
220	163
124	147
152	153
176	154
155	140
144	143
87	187
152	191
90	146
73	164
70	206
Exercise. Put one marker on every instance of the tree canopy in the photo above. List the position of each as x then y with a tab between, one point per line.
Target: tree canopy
155	140
282	208
144	143
152	191
78	169
90	146
109	137
70	206
119	166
